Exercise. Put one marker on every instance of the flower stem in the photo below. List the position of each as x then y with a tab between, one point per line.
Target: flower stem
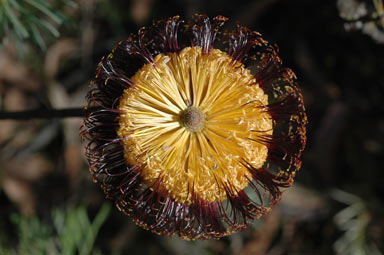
45	113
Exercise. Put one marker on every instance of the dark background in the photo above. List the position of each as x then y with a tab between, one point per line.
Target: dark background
336	203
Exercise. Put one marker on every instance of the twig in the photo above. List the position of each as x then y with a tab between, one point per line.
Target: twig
46	113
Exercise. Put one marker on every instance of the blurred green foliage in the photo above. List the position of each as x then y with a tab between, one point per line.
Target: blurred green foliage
30	21
71	232
353	221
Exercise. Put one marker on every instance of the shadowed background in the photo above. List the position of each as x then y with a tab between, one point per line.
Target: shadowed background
49	204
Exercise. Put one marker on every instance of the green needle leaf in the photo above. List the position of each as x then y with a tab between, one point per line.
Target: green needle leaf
40	6
37	36
48	27
20	29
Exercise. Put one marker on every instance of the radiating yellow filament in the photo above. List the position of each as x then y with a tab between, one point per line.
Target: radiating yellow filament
199	161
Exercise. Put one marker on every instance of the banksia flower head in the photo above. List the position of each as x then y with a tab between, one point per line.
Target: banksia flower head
196	132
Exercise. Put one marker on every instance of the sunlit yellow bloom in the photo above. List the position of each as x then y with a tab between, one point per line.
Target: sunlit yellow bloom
205	149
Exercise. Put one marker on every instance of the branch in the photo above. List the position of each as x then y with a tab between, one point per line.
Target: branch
46	113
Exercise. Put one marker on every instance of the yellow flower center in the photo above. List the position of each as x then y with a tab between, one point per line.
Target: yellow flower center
191	119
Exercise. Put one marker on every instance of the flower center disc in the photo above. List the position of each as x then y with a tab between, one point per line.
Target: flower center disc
192	120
